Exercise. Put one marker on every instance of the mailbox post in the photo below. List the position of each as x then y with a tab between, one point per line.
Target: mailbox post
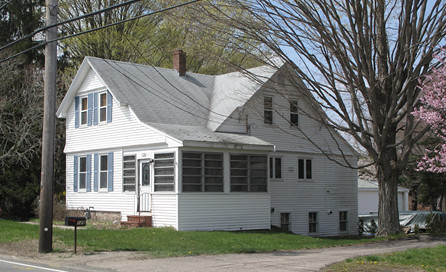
75	222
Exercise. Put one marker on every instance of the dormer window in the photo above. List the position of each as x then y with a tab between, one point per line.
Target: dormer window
103	107
84	110
93	109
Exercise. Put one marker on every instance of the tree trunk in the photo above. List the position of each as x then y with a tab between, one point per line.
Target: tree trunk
388	217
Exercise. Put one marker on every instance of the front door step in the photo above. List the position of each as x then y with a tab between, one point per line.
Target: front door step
135	221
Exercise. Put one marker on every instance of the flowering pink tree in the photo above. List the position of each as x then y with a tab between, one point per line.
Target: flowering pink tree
433	112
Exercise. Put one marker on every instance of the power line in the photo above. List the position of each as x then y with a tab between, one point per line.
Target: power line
98	28
30	35
155	94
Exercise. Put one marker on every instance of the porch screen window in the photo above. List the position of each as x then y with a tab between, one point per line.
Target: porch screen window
129	173
248	173
343	220
268	110
164	167
312	222
202	172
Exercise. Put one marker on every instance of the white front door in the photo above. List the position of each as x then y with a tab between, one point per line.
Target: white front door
145	177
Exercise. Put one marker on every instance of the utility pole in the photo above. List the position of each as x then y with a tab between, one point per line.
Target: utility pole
49	132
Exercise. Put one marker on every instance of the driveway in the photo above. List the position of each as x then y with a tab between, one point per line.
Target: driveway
301	260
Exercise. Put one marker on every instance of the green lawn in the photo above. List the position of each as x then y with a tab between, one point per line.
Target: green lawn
164	242
426	259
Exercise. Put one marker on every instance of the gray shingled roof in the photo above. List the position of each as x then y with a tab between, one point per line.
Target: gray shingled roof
373	185
157	95
181	106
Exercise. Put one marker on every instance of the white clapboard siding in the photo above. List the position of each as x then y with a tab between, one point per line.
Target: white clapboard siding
332	188
91	82
124	130
282	134
236	211
115	201
165	210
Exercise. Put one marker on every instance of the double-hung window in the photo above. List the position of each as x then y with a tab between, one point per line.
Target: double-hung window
275	168
294	117
103	171
304	169
102	107
92	109
84	110
268	110
82	173
312	222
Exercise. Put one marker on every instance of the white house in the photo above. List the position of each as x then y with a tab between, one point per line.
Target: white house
201	152
368	197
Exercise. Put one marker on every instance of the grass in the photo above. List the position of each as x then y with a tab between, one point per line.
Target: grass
11	231
426	259
164	242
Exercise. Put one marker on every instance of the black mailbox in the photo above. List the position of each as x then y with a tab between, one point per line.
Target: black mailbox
75	221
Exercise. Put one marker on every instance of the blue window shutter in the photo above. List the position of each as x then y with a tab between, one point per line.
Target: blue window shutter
95	109
76	174
96	172
90	109
109	106
76	112
110	171
89	173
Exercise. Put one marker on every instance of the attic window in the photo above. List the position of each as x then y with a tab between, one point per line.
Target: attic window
103	107
84	110
268	110
294	117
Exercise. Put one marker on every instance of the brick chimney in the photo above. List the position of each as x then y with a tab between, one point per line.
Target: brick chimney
179	62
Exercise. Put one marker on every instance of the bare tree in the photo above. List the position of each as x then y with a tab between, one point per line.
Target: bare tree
20	112
361	59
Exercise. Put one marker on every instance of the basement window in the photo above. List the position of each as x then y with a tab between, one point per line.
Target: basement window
285	221
343	221
312	222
